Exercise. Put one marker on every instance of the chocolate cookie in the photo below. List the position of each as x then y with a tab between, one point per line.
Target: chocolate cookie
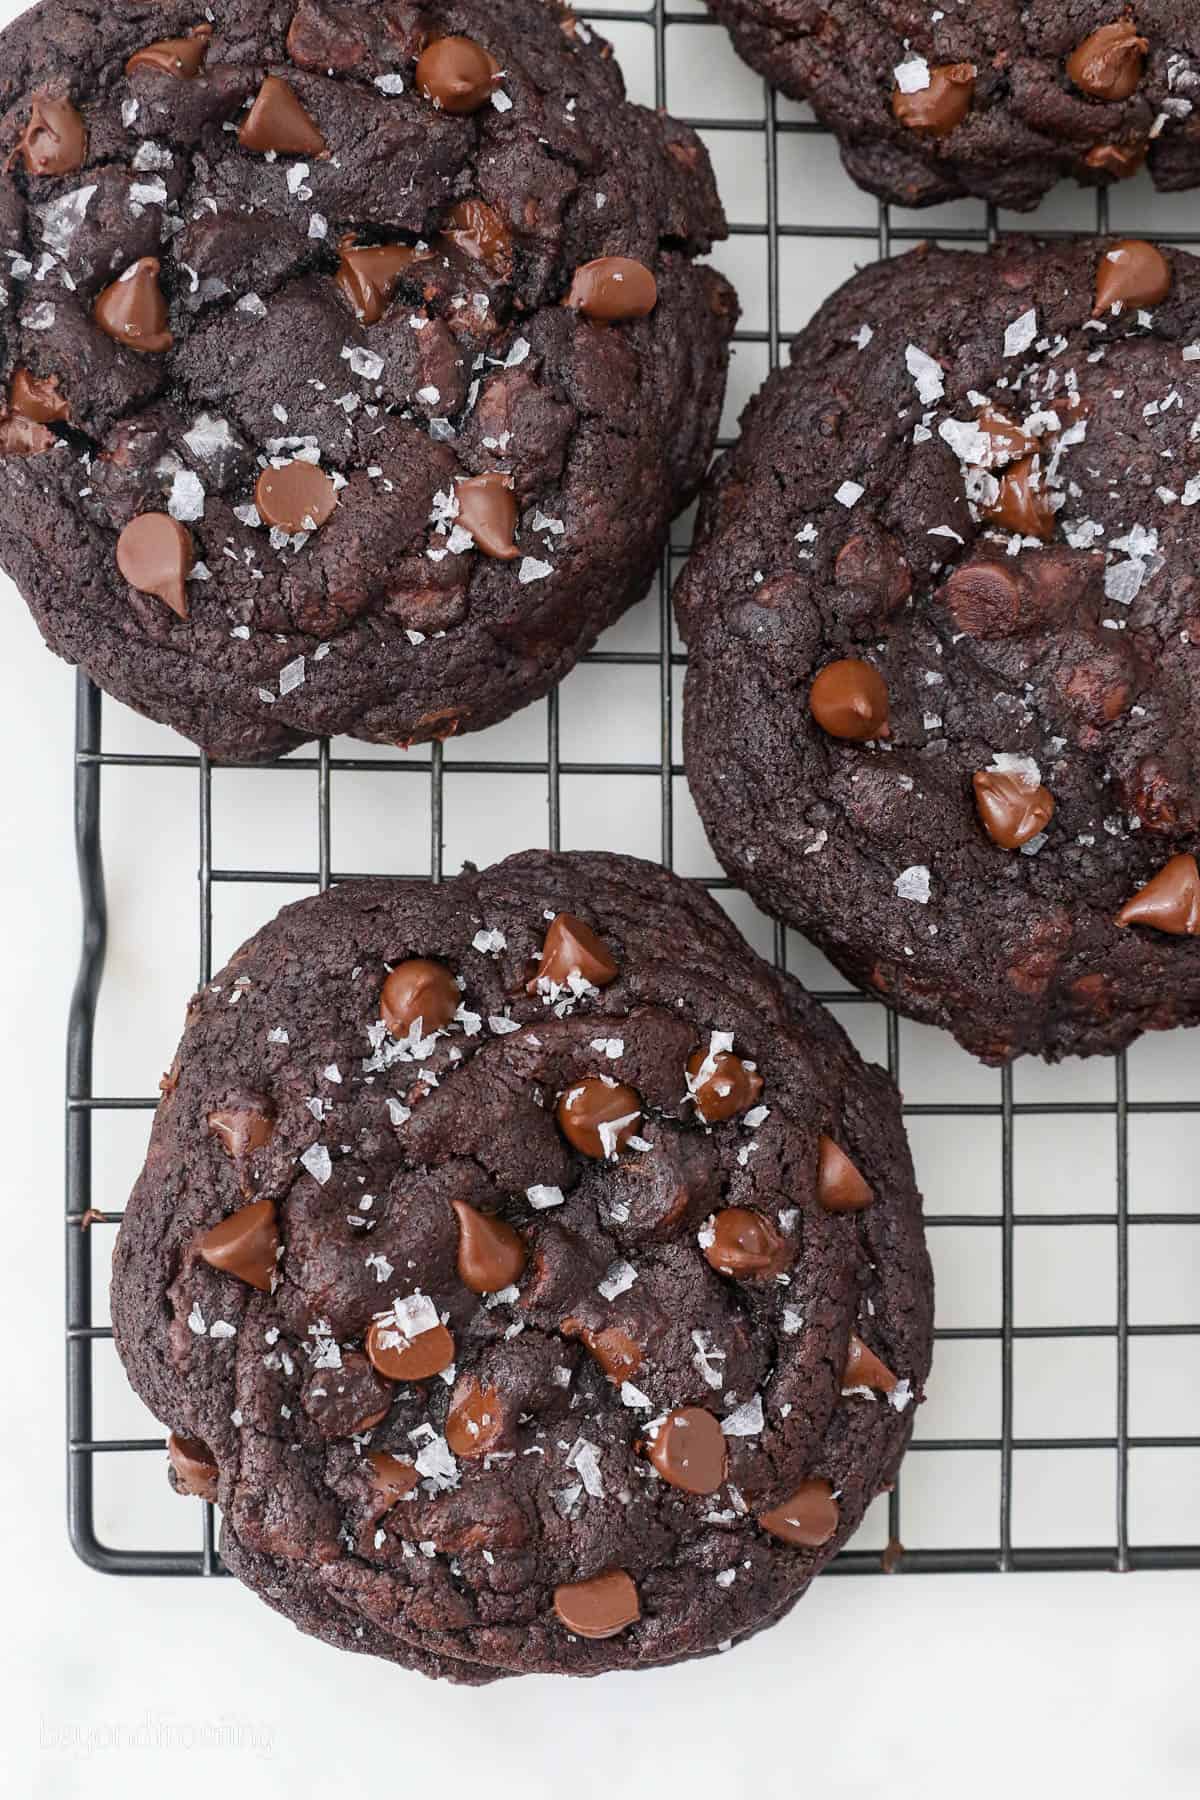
354	357
995	97
533	1276
943	693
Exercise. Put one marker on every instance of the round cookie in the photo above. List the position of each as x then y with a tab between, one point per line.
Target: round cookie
997	98
535	1278
943	624
353	358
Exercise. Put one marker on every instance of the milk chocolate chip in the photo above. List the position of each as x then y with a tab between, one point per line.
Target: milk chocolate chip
1131	273
194	1464
369	274
840	1187
1023	504
402	1358
487	508
474	1422
491	1255
391	1476
245	1245
182	57
154	554
598	1608
298	497
133	311
617	1353
865	1370
1118	160
1170	900
478	230
809	1519
277	121
745	1244
598	1116
54	141
422	990
457	74
571	947
1108	63
849	699
243	1128
723	1090
38	399
612	288
1012	809
935	110
1006	441
688	1450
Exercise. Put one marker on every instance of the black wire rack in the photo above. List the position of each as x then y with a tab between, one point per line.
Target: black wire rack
1001	1553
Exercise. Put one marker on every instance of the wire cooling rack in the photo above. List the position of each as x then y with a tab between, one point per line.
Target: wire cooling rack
1061	1327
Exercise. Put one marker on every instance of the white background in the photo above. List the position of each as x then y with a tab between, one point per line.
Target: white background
930	1686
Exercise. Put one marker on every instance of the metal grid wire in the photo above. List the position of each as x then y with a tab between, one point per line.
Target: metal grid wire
1001	1553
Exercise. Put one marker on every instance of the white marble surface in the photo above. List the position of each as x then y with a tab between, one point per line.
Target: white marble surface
923	1687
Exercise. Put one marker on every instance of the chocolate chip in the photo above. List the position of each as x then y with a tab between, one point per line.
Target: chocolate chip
182	57
935	110
598	1608
491	1255
409	1359
487	508
54	141
840	1187
457	74
612	288
617	1353
24	437
599	1117
864	1369
243	1128
688	1450
1012	810
1118	160
1108	63
391	1476
1006	441
1170	900
245	1245
133	311
477	230
809	1519
1023	505
194	1464
154	554
40	400
298	497
277	121
418	990
727	1089
571	947
1131	273
345	1401
849	699
368	275
745	1244
474	1422
984	598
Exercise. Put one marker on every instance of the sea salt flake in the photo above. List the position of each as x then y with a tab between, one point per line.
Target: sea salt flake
584	1458
366	363
541	1196
317	1161
291	676
533	570
390	83
913	884
849	494
489	941
912	75
620	1277
747	1421
186	499
926	373
1021	333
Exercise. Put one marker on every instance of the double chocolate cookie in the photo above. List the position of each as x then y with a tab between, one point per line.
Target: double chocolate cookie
532	1275
991	97
943	623
354	356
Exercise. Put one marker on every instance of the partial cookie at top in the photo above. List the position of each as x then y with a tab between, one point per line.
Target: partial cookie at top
993	98
533	1276
943	624
389	322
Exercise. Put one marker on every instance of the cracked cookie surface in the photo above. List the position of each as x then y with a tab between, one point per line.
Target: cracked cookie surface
534	1276
341	394
943	695
996	98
